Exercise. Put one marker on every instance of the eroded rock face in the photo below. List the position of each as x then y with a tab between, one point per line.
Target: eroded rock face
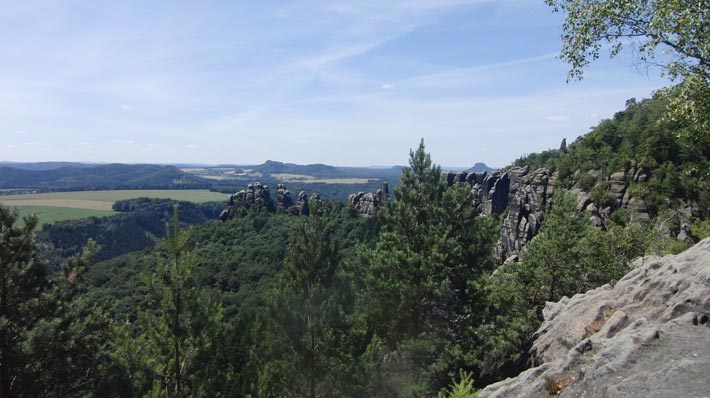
520	191
259	196
256	195
367	203
647	336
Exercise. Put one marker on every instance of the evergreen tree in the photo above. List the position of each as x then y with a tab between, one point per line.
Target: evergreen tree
51	344
423	279
164	349
307	353
22	281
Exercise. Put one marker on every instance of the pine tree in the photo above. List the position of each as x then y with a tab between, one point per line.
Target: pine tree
306	349
49	342
163	348
424	276
22	281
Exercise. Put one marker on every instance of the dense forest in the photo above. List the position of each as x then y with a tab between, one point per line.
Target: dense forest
406	303
162	302
58	176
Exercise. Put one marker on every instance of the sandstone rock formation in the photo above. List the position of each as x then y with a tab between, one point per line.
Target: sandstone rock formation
646	336
522	192
258	195
521	195
368	203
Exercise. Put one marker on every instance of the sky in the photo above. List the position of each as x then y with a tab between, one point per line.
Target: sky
346	83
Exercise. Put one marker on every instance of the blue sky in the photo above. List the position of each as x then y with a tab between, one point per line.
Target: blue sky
351	83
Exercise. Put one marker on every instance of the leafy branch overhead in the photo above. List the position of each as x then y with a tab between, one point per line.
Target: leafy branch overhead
678	29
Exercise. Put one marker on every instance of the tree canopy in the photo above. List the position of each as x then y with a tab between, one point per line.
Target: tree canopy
676	28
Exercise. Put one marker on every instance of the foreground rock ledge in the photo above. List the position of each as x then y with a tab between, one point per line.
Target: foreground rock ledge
647	336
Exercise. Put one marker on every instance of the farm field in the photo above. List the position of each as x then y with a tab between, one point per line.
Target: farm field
306	179
50	214
55	206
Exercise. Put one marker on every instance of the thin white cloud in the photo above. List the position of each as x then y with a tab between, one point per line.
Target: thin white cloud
388	86
557	118
474	75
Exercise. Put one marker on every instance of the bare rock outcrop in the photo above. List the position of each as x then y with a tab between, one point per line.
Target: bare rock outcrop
258	195
522	192
646	336
367	203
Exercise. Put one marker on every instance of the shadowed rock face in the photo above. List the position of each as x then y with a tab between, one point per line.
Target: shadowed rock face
647	336
522	192
259	196
521	196
368	203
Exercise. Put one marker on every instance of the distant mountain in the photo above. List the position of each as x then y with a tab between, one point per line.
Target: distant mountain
373	172
101	176
478	167
315	170
45	165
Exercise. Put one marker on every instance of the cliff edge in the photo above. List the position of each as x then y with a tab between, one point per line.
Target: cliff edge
646	336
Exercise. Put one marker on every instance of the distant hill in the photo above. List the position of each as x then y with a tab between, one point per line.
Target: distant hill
102	176
373	172
315	170
478	167
45	165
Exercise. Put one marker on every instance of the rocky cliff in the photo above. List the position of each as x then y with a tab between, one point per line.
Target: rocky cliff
367	203
258	196
646	336
518	194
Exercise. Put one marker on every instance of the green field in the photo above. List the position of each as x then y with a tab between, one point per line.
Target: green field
306	179
50	214
57	206
103	200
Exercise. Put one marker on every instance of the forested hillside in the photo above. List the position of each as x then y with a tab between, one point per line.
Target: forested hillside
672	164
110	176
332	304
436	291
141	225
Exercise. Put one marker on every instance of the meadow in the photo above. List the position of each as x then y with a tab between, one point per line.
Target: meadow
55	206
306	179
50	214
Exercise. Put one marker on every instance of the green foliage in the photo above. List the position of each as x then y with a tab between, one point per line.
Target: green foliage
675	165
306	353
140	224
22	282
646	26
700	229
176	330
568	256
101	177
462	388
423	279
673	143
51	343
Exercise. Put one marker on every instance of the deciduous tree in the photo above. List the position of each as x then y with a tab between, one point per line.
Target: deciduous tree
677	28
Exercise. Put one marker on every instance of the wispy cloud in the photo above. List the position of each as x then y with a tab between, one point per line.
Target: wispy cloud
557	118
360	82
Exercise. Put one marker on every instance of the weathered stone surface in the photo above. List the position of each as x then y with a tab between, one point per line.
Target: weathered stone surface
368	203
647	336
258	196
283	198
520	191
617	187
